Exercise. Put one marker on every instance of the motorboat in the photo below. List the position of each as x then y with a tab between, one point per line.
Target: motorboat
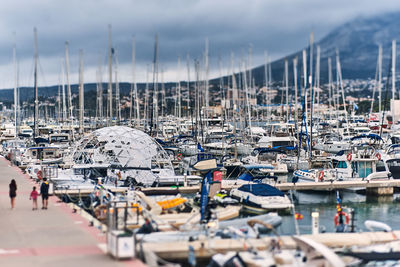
261	198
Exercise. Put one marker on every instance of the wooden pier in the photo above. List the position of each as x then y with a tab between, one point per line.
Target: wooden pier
375	187
206	249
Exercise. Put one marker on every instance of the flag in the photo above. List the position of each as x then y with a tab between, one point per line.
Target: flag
205	189
298	216
199	147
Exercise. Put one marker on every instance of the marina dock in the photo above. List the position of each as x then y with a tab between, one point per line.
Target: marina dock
374	187
53	237
206	249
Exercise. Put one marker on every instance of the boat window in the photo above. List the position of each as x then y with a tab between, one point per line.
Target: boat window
380	166
364	169
394	168
282	143
342	164
60	138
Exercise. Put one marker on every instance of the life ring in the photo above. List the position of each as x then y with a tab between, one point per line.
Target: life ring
336	220
321	176
39	175
179	156
349	157
378	156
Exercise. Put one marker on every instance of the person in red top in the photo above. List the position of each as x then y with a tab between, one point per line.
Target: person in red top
34	195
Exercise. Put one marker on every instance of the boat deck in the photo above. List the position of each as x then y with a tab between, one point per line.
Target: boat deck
53	237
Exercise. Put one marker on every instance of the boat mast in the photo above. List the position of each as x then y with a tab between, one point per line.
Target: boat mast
134	85
64	104
36	113
197	95
188	85
287	89
247	97
110	54
117	94
221	86
330	88
393	69
146	98
295	92
100	91
68	82
16	104
178	90
317	75
312	91
58	111
380	81
154	111
206	66
163	95
266	79
81	92
339	71
234	96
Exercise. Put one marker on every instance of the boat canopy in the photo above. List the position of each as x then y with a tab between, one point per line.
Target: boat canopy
258	166
264	190
268	150
370	136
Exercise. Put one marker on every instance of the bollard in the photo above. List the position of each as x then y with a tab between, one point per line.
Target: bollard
315	222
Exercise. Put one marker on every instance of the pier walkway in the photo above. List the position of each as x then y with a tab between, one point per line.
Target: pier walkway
374	187
53	237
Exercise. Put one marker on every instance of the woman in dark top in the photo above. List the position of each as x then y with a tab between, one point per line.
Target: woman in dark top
13	192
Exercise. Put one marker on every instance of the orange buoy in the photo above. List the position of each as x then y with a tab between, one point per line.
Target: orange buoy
336	219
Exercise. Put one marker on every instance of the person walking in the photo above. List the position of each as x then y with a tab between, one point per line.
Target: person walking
34	195
44	191
13	192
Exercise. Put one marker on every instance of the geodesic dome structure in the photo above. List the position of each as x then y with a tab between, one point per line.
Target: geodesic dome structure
121	146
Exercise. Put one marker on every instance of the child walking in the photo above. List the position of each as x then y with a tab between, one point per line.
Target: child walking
34	195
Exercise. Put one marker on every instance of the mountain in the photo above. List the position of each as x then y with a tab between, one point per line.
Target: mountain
357	42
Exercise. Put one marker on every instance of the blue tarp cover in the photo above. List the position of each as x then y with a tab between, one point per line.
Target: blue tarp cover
261	190
371	136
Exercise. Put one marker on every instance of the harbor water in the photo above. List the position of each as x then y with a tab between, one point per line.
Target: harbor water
385	209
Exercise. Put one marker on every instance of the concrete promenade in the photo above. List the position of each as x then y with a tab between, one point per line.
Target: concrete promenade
53	237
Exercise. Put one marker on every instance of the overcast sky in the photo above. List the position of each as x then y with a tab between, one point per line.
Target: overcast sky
277	26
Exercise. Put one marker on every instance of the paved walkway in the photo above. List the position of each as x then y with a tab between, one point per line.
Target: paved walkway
53	237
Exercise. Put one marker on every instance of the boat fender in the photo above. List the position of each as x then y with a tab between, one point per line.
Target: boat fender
349	157
179	156
321	176
378	156
336	219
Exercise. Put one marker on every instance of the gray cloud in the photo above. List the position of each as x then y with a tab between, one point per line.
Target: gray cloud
281	27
